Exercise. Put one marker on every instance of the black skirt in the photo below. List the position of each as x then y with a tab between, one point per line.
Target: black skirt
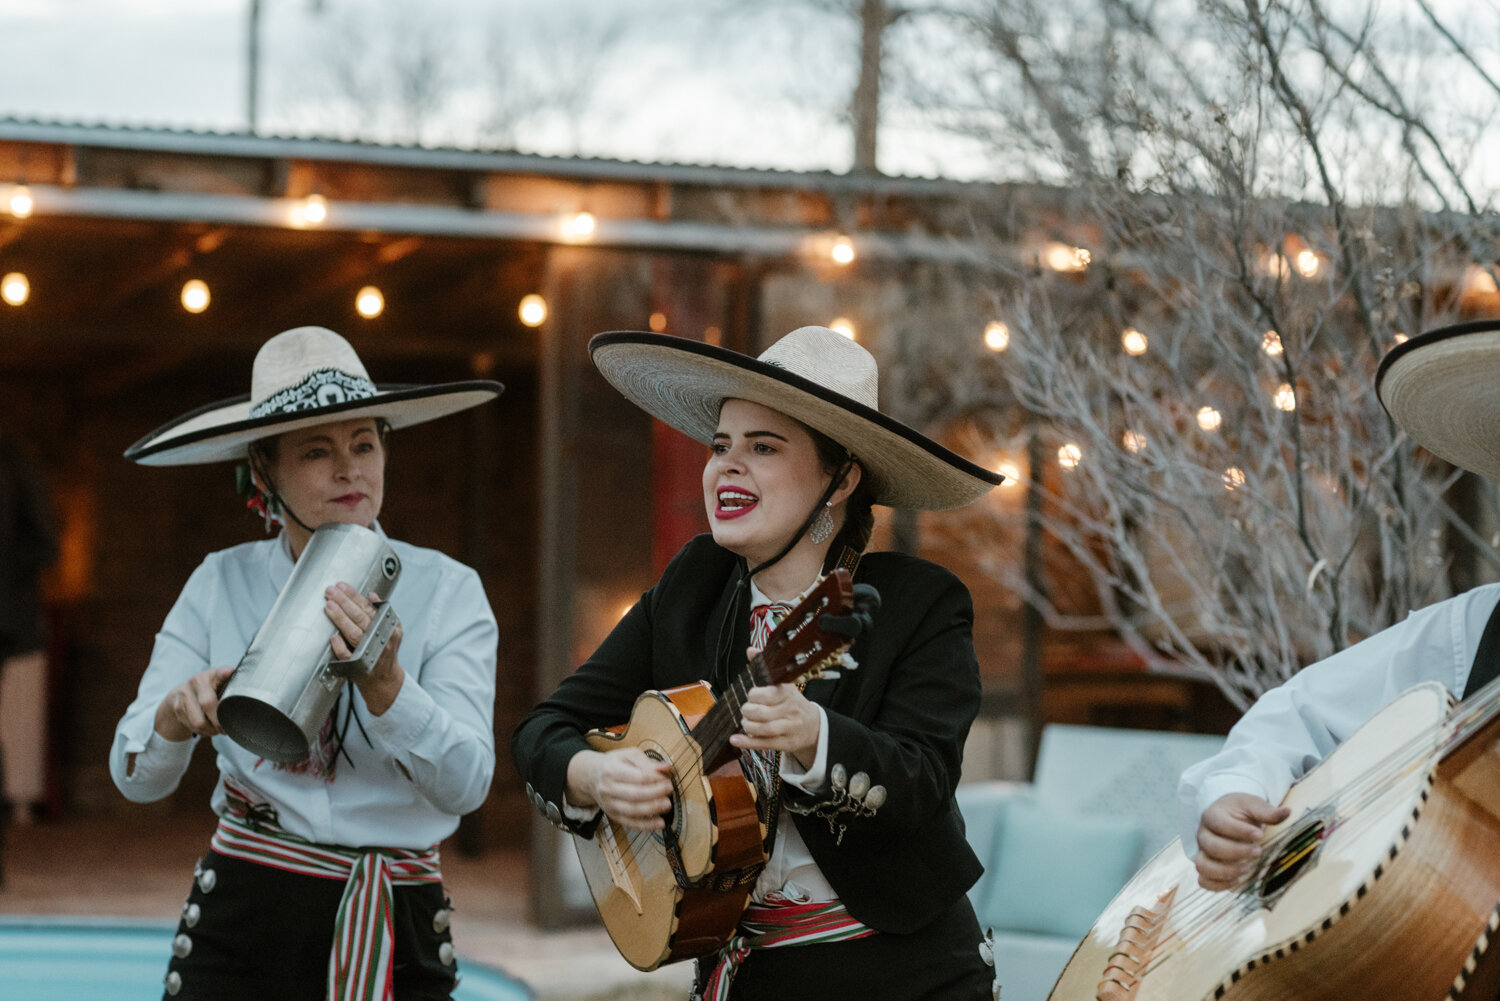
939	962
252	933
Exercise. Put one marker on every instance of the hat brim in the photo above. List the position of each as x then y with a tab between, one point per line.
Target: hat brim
223	431
683	383
1439	387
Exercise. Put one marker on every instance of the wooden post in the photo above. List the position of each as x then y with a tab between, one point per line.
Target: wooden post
866	104
556	552
1036	583
252	68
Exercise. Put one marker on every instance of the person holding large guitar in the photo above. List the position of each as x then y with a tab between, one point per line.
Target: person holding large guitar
1440	390
857	870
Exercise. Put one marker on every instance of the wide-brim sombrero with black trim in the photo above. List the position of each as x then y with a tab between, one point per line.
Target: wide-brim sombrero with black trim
814	375
1443	389
301	378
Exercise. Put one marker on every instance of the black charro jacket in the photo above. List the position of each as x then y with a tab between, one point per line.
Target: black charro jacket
901	718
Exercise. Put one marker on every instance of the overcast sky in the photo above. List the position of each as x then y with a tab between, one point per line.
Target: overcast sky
706	81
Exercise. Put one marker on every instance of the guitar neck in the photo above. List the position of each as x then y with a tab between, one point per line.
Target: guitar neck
723	720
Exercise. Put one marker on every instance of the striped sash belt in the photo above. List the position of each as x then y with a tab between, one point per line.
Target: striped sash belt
770	926
361	965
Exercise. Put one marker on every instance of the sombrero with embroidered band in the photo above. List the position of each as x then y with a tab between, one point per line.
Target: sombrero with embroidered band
814	375
301	377
1442	388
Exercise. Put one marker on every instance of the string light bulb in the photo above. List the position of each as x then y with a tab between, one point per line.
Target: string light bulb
310	211
1069	456
15	289
1133	341
1271	343
21	202
1209	419
532	310
842	251
369	302
579	226
1065	259
996	336
843	325
1234	478
1285	398
195	297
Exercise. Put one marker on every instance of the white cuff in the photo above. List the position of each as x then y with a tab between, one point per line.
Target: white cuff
815	776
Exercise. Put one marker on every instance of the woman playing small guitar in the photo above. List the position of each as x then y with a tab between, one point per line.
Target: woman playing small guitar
859	888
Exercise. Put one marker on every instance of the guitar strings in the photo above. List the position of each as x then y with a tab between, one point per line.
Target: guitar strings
1429	744
716	726
1197	914
1351	816
1198	905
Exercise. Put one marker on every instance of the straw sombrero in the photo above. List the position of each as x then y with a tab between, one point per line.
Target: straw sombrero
1439	387
815	375
301	377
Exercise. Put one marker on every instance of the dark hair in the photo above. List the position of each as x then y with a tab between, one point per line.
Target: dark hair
859	518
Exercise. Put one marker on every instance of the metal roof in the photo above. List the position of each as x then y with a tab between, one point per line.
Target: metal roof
209	143
764	237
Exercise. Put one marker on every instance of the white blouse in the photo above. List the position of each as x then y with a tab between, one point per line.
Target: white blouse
429	757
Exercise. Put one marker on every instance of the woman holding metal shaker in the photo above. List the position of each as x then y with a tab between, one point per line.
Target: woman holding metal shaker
322	878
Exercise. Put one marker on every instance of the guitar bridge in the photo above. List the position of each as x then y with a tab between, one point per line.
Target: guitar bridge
614	857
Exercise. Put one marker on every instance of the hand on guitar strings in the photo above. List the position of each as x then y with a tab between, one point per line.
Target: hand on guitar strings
1229	836
779	718
630	786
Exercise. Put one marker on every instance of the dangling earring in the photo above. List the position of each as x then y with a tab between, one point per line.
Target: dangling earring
822	526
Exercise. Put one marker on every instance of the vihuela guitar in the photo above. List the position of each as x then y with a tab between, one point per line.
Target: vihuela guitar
1382	883
678	893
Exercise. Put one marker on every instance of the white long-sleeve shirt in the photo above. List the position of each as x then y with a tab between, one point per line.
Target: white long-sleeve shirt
430	756
1294	726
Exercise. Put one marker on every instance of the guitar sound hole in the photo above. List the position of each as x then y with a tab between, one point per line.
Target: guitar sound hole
1296	853
671	817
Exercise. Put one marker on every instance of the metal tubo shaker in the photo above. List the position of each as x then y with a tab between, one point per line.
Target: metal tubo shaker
287	682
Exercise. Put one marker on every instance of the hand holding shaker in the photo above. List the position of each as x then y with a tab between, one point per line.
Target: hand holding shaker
287	682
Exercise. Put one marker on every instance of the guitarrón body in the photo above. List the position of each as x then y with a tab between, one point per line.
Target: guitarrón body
1383	882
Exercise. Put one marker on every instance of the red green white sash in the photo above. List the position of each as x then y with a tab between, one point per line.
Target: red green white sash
361	965
770	926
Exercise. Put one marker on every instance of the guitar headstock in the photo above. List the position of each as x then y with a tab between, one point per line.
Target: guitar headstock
801	647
